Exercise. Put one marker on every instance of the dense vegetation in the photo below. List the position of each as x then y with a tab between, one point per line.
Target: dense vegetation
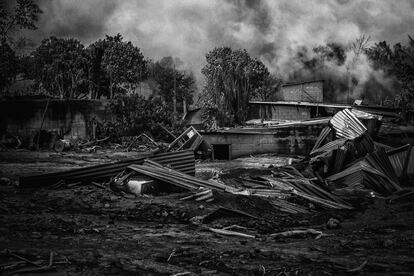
113	68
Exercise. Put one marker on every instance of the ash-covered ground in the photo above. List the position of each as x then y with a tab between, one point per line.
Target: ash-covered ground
92	231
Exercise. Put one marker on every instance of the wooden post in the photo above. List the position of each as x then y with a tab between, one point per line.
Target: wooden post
184	106
41	124
174	98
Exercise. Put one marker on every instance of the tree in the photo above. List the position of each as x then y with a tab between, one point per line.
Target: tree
403	61
8	66
134	114
23	15
123	63
164	72
61	67
268	91
98	81
397	62
381	55
186	88
232	78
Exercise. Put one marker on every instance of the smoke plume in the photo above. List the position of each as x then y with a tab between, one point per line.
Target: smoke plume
271	30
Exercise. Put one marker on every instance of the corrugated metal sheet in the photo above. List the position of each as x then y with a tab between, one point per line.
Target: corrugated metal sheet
321	138
375	172
183	161
399	158
379	160
340	157
158	171
360	174
333	145
347	125
363	145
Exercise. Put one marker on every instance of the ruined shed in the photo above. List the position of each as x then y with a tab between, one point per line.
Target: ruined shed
295	138
296	101
309	91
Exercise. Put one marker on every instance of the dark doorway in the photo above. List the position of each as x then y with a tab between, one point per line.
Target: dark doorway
222	152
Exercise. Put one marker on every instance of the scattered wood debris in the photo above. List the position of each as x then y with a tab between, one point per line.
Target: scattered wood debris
231	233
299	232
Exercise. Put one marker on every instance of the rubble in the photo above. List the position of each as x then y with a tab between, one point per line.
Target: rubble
142	142
190	139
157	201
167	175
299	232
181	160
344	156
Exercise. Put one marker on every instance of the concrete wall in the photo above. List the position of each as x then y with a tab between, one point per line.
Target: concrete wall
69	118
290	113
279	112
295	140
303	92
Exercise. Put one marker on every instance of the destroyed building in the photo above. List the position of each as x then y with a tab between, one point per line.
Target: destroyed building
292	124
118	160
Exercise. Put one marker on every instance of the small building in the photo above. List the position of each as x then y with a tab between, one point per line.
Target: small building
309	91
287	139
297	101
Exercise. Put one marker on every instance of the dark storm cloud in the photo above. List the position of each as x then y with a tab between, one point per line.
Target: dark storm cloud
270	30
85	20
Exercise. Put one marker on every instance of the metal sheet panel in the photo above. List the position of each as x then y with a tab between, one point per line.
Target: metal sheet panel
322	137
399	158
347	125
183	161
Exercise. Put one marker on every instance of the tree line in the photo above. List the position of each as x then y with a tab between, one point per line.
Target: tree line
112	67
65	68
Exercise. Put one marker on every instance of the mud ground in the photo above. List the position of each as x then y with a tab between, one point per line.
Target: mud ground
92	231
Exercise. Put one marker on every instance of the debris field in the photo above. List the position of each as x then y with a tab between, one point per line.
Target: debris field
345	209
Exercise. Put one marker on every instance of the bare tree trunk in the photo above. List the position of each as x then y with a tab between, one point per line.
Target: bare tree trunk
59	88
110	85
175	97
72	85
349	85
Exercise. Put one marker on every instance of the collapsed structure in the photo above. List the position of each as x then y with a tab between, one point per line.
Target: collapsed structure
344	162
299	209
337	142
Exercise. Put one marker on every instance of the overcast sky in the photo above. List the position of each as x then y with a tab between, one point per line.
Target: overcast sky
188	29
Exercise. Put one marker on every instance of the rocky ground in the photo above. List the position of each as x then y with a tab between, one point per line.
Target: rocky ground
89	230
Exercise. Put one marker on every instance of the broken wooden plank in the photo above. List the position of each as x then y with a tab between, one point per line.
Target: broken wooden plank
230	233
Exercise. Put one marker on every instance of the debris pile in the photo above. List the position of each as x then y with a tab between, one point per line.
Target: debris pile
345	160
158	201
181	160
352	160
140	143
190	139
